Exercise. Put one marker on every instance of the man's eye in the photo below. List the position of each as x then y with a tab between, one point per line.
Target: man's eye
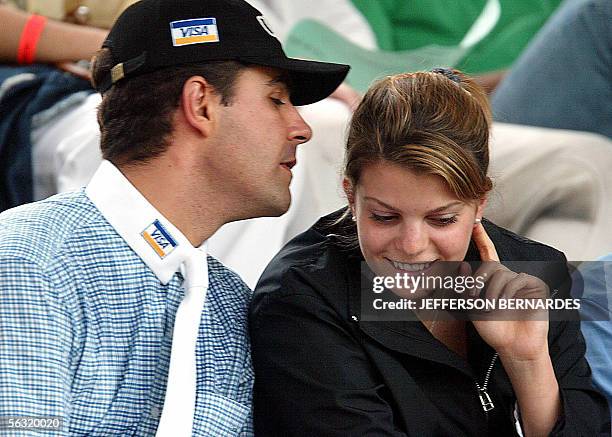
277	102
444	221
382	218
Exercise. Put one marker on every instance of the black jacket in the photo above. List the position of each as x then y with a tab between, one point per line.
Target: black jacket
321	371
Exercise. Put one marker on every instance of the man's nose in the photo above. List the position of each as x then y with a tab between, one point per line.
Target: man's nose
299	130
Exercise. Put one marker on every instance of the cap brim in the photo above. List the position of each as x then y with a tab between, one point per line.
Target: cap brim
310	81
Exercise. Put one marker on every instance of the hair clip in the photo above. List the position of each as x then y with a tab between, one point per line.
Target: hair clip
448	73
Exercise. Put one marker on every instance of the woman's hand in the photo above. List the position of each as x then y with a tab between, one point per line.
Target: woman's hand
521	341
520	334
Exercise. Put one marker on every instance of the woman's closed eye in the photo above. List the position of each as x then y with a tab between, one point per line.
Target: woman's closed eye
382	218
443	220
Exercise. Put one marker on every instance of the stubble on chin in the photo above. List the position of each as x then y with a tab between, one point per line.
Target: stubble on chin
279	206
273	205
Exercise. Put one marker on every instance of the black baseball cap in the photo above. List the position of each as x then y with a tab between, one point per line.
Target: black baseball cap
153	34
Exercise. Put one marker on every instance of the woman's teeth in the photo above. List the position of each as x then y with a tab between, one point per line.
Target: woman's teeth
417	267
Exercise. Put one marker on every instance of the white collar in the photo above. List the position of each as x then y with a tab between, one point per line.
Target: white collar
161	246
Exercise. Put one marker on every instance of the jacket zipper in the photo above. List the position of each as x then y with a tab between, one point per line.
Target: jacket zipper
483	395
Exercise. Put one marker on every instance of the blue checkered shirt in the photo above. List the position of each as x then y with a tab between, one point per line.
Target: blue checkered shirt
86	329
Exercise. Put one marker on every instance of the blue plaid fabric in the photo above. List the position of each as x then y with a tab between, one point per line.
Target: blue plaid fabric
86	329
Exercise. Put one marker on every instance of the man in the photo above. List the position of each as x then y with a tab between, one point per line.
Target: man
101	320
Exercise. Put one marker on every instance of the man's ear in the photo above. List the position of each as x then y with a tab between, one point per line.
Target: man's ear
199	103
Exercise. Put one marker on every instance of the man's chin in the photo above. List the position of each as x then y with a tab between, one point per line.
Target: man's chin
280	208
273	207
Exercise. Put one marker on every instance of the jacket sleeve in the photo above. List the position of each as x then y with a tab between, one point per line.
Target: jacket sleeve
312	377
584	410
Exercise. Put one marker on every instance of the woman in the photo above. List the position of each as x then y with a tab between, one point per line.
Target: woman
416	182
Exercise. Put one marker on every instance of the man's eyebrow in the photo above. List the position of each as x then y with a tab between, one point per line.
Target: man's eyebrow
433	211
281	79
276	81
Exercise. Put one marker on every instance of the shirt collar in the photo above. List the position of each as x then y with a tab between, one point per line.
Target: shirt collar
152	236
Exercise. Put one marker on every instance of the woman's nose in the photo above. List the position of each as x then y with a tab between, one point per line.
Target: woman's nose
412	239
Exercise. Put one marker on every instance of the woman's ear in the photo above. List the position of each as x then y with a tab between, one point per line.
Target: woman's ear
482	203
350	194
348	190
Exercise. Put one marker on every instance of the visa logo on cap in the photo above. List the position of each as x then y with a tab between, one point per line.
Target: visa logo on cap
194	31
159	239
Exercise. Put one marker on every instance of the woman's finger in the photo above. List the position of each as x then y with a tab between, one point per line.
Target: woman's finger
497	282
485	246
513	287
485	272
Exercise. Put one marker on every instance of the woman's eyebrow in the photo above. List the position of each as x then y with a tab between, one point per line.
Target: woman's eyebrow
433	211
442	208
373	199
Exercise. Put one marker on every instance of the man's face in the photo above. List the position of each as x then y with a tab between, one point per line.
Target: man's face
256	139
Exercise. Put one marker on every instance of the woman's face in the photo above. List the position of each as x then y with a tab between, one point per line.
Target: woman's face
408	222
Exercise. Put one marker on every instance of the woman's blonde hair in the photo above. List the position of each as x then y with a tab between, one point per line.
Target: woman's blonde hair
433	122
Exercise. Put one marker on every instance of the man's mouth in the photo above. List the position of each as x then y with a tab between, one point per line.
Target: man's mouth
411	267
289	164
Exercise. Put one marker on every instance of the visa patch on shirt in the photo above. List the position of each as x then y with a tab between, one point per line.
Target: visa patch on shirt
194	31
159	239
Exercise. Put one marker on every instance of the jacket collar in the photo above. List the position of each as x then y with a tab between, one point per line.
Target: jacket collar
405	337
